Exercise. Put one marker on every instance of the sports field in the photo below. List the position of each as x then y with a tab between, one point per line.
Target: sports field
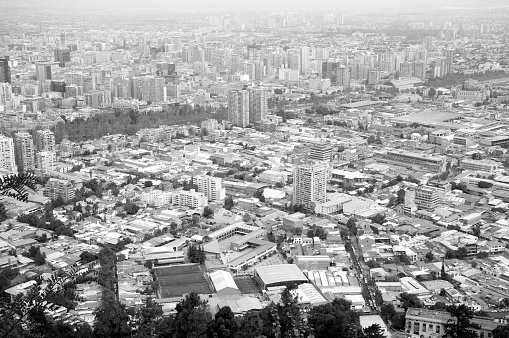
180	279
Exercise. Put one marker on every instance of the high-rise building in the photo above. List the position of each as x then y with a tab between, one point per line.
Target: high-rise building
238	107
176	42
343	77
321	151
426	198
7	159
24	151
5	70
43	71
429	42
420	70
406	69
254	52
257	104
373	77
55	188
211	187
304	59
62	56
44	140
45	161
309	184
448	56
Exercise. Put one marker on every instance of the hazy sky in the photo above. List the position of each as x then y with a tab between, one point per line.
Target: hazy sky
290	5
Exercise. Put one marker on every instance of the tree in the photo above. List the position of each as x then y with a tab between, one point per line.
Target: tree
208	212
432	92
3	212
482	255
16	186
371	139
145	317
193	317
228	203
476	156
87	257
398	321
335	319
131	208
476	231
196	254
148	184
352	225
429	256
24	317
501	331
484	184
372	264
246	218
387	311
279	185
290	316
410	300
378	218
460	326
373	331
111	317
195	220
224	324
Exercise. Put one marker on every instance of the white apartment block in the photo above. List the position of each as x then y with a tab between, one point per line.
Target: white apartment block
56	187
191	199
24	151
44	140
156	197
210	187
474	165
273	176
7	159
309	184
45	161
238	108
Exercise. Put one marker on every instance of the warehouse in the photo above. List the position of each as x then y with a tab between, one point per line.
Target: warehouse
279	275
223	283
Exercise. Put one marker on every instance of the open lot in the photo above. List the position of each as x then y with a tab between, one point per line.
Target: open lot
180	279
247	285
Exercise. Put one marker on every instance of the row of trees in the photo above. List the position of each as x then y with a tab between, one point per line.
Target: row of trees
456	79
129	123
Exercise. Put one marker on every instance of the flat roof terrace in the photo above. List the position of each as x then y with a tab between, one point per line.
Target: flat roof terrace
431	118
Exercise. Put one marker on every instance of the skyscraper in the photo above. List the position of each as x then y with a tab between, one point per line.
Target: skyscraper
44	140
62	56
343	77
238	107
429	42
257	104
43	71
420	70
211	187
7	159
24	151
309	184
5	70
304	59
449	56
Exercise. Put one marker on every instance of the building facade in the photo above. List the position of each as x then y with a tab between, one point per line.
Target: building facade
7	158
309	184
24	151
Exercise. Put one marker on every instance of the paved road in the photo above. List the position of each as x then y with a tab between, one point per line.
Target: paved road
365	281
